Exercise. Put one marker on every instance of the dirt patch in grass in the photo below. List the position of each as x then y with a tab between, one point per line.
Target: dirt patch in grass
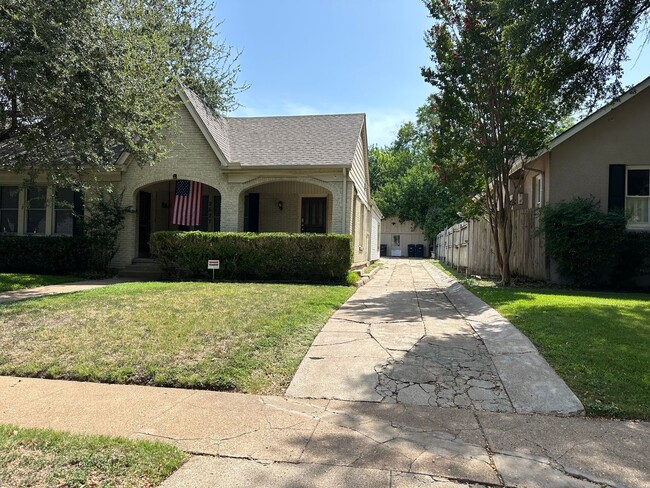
245	337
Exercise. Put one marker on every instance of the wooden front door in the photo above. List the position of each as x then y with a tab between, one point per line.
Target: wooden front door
314	215
144	224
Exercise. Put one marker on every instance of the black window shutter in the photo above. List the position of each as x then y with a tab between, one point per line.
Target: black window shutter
616	197
78	213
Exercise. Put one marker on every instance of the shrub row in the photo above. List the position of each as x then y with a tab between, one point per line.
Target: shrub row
43	254
249	256
593	248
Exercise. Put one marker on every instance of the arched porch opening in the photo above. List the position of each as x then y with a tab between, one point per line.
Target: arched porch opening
155	204
286	206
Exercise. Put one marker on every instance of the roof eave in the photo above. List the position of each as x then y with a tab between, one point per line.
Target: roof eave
587	121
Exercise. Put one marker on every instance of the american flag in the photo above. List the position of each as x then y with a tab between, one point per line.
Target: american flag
187	203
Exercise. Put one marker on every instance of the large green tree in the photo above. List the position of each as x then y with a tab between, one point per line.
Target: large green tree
403	184
505	78
81	79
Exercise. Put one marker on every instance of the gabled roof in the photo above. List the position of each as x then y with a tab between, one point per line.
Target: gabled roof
307	140
584	123
304	140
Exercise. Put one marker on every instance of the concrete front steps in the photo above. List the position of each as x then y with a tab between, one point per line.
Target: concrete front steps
145	269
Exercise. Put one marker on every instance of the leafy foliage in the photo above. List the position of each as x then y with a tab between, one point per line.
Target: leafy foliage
573	49
507	73
80	80
404	184
584	241
102	227
273	256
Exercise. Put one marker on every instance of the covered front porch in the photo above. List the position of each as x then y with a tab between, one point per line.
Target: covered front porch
279	206
286	206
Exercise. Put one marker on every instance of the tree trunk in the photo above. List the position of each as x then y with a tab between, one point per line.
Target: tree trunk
501	227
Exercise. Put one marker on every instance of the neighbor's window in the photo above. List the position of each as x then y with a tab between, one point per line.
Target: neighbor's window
63	211
637	196
36	210
538	190
8	209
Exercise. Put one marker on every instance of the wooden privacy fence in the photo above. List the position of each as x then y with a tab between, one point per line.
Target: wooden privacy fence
468	247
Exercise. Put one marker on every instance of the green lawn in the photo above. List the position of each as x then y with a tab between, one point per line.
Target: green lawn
18	281
598	342
245	337
37	457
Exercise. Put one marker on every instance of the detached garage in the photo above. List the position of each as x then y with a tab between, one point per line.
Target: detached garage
398	238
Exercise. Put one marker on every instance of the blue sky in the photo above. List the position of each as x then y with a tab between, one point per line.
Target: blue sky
341	56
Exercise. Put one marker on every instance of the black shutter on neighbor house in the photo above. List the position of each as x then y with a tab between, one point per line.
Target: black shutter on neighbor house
77	213
616	197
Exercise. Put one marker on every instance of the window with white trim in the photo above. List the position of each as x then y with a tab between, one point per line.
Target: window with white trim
36	210
64	211
8	209
538	191
637	195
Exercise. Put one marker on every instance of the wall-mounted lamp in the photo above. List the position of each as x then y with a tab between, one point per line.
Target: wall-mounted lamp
174	176
280	204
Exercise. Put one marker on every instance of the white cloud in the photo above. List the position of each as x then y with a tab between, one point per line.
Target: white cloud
383	125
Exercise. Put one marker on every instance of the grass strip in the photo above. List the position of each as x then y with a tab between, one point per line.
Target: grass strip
19	281
43	457
246	337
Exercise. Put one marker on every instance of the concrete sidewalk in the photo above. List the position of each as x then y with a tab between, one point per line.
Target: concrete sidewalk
415	336
250	440
61	288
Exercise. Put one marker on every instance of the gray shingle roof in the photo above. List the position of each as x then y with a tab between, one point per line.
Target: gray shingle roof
304	140
216	125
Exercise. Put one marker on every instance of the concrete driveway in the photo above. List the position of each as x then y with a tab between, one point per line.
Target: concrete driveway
413	335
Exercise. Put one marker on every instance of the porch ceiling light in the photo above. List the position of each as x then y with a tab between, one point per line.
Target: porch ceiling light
280	204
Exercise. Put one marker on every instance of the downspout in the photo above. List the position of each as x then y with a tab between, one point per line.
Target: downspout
345	199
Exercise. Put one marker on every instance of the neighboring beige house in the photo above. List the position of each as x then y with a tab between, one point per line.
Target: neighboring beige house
260	174
398	236
606	155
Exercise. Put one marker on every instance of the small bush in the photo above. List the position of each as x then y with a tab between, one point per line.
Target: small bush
593	248
43	254
249	256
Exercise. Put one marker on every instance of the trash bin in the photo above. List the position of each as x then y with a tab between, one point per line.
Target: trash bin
411	248
419	251
383	249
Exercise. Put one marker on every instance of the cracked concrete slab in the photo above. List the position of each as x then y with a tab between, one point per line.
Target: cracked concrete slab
330	377
608	452
532	385
419	349
531	473
449	443
210	472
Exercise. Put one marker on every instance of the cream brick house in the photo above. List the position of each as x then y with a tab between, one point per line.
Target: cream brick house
260	174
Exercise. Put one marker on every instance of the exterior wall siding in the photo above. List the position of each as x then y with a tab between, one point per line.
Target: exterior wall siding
358	172
580	165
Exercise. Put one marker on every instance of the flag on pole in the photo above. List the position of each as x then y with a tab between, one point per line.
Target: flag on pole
187	203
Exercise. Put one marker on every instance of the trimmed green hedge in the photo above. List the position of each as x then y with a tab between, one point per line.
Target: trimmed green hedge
250	256
43	254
